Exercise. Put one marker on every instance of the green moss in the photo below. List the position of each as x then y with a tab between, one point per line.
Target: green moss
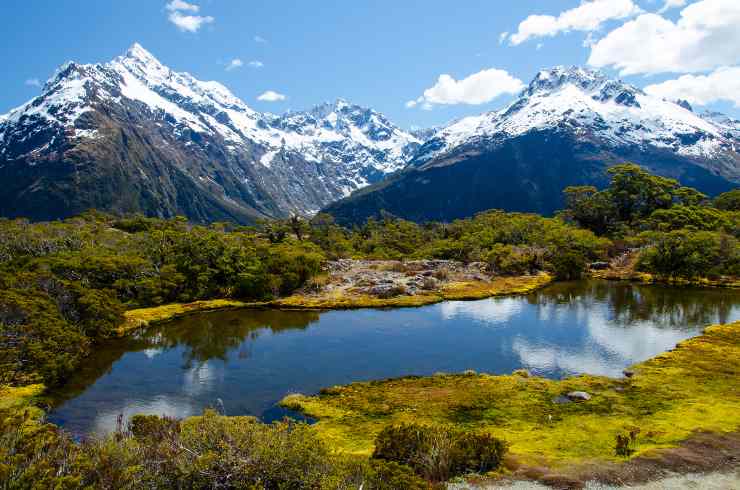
143	317
694	387
19	398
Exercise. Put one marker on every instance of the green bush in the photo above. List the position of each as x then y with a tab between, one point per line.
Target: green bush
508	260
729	201
209	451
683	253
439	453
389	475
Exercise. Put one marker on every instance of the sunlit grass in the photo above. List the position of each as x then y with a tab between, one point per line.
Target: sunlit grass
693	387
142	317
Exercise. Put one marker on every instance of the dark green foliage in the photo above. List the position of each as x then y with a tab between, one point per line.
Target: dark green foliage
685	237
439	453
691	218
633	195
514	261
729	201
688	254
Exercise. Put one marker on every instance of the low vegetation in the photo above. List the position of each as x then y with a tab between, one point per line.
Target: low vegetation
666	399
209	451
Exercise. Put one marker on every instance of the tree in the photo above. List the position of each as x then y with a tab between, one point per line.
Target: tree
728	201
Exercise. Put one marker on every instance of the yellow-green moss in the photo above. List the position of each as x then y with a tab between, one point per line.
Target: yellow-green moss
22	397
452	291
694	387
143	317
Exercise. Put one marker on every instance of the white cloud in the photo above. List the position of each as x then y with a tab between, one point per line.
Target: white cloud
705	37
589	16
256	64
271	96
33	82
502	37
175	5
672	4
189	23
475	89
233	64
186	22
721	85
260	40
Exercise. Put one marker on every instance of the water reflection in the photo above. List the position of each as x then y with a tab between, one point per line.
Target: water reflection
250	359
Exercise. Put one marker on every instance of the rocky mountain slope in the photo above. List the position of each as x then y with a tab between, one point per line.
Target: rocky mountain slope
132	135
564	129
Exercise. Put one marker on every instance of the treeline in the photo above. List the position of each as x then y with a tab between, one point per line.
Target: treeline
680	232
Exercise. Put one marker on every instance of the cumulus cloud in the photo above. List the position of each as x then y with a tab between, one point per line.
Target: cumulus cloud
33	82
589	16
260	40
721	85
187	22
502	37
176	5
271	96
234	64
475	89
256	64
705	37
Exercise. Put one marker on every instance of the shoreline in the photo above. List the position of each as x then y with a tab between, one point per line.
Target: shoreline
455	291
687	397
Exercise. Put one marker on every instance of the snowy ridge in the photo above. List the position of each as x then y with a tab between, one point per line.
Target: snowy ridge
591	104
361	140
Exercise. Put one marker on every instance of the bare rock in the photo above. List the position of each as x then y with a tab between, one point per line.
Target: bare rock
578	396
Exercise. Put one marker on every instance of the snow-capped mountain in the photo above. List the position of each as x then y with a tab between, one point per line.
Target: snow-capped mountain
563	129
596	107
133	135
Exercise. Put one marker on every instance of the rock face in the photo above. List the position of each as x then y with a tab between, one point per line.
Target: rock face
132	135
564	129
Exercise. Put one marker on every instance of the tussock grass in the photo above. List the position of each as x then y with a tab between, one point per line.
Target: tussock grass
691	388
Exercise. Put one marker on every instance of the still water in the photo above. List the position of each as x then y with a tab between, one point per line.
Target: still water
243	362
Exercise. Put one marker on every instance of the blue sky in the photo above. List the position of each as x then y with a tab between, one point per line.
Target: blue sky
384	54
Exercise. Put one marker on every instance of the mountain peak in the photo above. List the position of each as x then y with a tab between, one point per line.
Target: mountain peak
559	76
137	52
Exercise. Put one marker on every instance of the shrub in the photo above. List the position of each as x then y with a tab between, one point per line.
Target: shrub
728	201
439	453
389	475
568	264
683	253
514	261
